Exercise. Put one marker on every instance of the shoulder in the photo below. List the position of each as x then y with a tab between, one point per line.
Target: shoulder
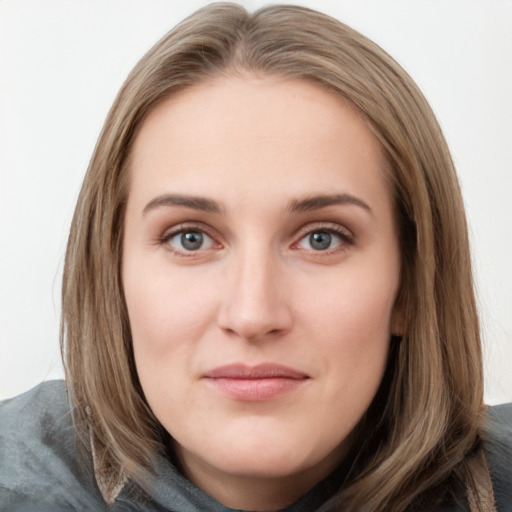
497	442
41	465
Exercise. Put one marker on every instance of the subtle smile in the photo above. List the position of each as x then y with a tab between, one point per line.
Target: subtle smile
256	383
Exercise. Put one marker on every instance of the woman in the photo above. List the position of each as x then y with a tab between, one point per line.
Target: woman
267	300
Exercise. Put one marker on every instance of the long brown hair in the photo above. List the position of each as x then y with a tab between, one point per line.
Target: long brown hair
426	416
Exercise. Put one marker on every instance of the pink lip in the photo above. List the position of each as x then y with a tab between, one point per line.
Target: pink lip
255	383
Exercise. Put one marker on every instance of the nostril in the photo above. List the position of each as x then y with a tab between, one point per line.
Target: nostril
251	308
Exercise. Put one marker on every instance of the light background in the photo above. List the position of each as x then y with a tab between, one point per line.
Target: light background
63	61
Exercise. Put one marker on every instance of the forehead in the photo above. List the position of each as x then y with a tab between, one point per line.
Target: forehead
257	133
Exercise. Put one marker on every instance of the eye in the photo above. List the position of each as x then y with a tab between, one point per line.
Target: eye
322	240
189	240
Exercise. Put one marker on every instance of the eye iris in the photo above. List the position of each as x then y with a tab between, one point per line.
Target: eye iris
320	240
192	240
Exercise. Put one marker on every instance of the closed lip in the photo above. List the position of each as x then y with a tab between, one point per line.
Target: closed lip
260	383
260	371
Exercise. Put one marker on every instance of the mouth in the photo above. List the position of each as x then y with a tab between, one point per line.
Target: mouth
255	383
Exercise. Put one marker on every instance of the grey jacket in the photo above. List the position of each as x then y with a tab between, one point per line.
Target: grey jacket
40	470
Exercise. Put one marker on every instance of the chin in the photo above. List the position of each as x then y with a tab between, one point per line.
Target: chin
273	464
268	455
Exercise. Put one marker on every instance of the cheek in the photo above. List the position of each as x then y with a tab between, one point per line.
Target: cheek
356	307
164	320
167	330
351	323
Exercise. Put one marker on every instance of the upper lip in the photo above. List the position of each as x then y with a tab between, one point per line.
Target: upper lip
260	371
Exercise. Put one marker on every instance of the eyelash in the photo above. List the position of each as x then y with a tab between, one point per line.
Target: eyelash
346	238
168	235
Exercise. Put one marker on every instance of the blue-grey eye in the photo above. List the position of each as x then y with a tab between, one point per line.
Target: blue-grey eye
191	240
320	241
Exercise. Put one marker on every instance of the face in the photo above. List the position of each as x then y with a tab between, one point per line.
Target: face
260	269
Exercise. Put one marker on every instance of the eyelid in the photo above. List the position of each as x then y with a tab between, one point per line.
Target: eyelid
175	230
329	227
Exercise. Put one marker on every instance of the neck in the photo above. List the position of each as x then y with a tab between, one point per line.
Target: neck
258	493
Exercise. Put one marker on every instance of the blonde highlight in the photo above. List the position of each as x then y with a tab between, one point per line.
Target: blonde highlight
429	418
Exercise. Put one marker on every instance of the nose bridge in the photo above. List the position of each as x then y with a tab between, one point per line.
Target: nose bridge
255	304
255	278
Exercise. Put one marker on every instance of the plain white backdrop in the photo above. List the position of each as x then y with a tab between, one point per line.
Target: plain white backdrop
62	63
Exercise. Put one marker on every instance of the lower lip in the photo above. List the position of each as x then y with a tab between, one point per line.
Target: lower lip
255	390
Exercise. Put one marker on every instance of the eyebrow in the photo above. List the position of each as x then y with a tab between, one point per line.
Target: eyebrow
322	201
296	205
194	202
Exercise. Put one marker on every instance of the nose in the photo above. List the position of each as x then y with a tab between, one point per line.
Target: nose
256	306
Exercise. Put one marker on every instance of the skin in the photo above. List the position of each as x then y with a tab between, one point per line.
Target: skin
258	290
